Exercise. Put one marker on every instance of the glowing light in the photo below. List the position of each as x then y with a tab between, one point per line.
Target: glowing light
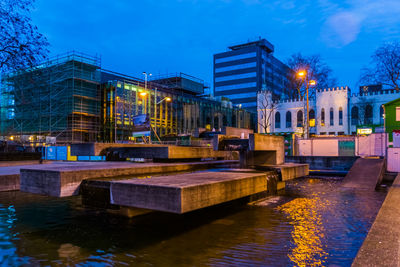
364	131
301	73
11	138
312	82
168	99
143	94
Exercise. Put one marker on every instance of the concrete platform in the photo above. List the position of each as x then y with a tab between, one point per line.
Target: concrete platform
365	173
149	151
188	192
9	173
286	171
382	245
64	180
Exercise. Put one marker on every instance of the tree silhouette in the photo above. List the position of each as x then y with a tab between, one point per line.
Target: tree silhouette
21	44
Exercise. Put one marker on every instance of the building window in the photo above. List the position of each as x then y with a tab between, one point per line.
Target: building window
340	133
368	115
311	118
331	117
397	113
322	117
299	118
288	119
340	116
331	133
322	133
354	115
277	120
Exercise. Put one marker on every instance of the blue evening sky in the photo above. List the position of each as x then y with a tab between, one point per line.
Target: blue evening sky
160	36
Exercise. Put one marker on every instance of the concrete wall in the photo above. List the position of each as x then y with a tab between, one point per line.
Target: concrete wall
318	147
238	132
393	159
324	163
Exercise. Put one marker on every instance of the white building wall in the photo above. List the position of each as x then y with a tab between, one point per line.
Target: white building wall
328	98
334	98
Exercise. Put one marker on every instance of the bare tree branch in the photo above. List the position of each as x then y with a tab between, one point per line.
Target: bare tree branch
21	45
386	67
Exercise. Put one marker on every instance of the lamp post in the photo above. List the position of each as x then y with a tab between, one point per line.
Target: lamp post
168	99
303	74
145	84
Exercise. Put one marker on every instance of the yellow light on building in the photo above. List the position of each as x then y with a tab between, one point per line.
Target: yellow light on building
364	131
167	99
11	138
312	83
312	122
143	94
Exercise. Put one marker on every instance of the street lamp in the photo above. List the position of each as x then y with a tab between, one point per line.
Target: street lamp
302	74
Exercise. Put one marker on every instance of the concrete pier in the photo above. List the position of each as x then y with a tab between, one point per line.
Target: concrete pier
188	192
64	180
286	171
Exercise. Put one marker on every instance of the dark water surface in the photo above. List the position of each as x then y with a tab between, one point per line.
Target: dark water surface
313	222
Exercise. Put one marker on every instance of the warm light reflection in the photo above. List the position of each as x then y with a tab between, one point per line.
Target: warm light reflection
308	231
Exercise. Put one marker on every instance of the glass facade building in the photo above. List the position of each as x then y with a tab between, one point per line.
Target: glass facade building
72	98
246	69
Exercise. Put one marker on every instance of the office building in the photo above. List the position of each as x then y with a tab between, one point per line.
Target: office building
246	69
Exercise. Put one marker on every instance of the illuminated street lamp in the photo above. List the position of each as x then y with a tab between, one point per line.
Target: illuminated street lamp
302	74
167	99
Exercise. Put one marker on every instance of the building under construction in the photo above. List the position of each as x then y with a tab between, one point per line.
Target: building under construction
59	98
70	99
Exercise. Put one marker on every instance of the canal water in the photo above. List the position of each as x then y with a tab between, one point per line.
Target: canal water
313	222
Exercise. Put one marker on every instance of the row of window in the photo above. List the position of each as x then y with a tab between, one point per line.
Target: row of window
236	77
236	57
235	86
311	118
236	67
357	118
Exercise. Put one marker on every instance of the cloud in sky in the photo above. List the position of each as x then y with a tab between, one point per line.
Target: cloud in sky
344	24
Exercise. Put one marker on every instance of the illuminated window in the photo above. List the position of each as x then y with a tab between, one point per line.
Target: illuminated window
397	113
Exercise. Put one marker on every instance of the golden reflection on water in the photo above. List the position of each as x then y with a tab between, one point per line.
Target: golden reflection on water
308	231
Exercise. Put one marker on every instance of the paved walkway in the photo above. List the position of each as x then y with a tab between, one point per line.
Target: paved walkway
382	245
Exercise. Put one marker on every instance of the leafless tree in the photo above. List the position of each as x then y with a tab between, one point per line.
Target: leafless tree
266	108
386	67
315	69
21	44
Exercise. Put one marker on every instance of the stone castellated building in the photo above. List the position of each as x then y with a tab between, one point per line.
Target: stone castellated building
333	111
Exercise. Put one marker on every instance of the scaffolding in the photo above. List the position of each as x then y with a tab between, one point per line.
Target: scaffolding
58	98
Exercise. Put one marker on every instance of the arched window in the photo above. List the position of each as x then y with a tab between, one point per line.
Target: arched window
299	118
354	115
331	117
322	117
368	114
311	118
340	116
288	119
381	115
277	120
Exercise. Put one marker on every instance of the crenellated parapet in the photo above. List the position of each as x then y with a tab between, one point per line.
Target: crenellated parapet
381	92
343	89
